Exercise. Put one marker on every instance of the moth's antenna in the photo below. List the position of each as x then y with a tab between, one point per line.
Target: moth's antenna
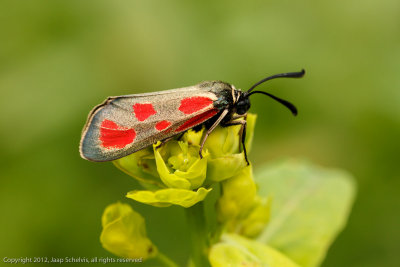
286	103
281	75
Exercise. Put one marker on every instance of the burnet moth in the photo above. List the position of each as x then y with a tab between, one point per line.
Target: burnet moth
122	125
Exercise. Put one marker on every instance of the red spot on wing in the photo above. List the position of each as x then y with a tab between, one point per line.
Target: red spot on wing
197	120
190	105
143	111
114	136
162	125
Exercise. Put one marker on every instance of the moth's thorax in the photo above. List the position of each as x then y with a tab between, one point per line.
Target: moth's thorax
236	93
223	92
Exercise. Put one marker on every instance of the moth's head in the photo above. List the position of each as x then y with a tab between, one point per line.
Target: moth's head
243	104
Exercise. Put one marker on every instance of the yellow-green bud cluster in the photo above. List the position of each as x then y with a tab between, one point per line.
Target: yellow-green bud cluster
174	174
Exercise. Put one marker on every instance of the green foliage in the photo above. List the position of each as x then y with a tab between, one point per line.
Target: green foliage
289	219
310	207
234	250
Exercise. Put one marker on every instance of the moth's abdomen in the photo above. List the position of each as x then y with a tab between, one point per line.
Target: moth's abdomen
196	120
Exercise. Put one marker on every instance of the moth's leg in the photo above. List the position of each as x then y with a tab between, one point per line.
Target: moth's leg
235	117
242	134
170	138
244	116
165	140
218	121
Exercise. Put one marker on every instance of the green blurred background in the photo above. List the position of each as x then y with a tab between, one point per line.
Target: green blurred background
60	58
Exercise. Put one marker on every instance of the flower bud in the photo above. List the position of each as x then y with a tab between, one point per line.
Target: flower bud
224	145
124	233
179	164
237	199
240	208
141	165
258	218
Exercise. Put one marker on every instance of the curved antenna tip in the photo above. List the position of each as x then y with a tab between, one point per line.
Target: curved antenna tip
280	75
294	112
296	74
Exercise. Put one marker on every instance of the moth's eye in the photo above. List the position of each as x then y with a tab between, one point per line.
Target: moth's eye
240	109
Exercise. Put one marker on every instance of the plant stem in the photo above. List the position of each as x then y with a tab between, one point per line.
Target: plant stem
165	260
198	234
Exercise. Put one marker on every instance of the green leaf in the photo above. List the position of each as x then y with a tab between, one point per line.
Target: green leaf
234	250
310	207
170	196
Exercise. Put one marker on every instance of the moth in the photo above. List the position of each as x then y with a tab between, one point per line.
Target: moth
122	125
